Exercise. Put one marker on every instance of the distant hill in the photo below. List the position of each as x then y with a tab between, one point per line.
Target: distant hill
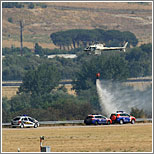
40	22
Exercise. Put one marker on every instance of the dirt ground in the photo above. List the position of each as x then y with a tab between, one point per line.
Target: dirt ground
39	23
104	138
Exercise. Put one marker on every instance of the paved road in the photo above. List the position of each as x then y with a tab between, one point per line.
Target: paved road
84	126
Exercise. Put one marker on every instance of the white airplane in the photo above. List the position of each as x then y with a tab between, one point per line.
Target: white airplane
98	48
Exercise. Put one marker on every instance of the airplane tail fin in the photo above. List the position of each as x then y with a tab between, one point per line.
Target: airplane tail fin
124	48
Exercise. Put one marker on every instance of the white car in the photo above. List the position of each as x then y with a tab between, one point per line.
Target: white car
24	121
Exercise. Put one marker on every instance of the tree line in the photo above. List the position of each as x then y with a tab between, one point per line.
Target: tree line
12	5
41	97
30	5
135	62
76	38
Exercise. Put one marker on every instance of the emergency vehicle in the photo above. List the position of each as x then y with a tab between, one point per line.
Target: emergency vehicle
24	121
97	119
122	117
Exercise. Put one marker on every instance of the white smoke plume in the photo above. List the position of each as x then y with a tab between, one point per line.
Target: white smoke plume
116	97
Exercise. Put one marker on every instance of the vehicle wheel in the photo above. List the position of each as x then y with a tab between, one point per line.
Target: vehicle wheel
87	123
133	121
96	123
108	122
22	126
35	126
121	122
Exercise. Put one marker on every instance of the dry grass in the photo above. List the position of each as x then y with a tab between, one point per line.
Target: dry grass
97	5
39	23
10	43
125	138
9	92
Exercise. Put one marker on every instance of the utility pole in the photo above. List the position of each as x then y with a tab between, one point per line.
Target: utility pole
21	45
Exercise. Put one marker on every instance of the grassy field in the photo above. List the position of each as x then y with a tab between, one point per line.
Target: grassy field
113	138
39	23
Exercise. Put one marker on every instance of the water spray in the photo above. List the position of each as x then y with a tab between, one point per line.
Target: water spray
114	96
105	99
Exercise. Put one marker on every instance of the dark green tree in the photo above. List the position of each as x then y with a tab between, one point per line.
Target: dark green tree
38	49
6	104
10	20
111	66
147	48
31	5
115	68
140	61
15	67
83	37
12	4
41	80
20	102
138	113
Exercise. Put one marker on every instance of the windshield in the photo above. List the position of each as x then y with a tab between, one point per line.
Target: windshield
89	117
17	118
113	114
